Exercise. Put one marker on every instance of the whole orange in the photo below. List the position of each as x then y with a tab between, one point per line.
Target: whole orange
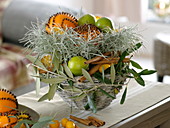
55	124
64	121
70	124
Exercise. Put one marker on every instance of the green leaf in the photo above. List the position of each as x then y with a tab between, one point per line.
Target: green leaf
122	57
107	94
37	83
43	121
120	62
135	74
79	97
52	91
130	76
91	104
134	48
61	68
62	73
27	126
55	80
67	70
98	76
86	106
136	65
137	77
147	72
87	75
74	89
123	96
45	118
44	97
56	63
140	80
71	83
103	73
40	124
23	121
35	61
137	46
112	73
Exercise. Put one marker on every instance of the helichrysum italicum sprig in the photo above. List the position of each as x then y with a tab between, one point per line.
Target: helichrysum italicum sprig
69	44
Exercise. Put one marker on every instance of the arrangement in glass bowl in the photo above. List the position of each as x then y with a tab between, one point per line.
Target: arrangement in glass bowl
86	60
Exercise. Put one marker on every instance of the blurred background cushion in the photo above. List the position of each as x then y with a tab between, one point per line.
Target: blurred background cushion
3	5
13	70
20	13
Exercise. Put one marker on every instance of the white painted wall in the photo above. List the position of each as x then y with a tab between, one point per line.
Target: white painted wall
116	8
76	4
149	31
132	9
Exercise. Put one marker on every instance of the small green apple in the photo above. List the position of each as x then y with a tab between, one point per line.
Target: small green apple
76	64
105	24
87	19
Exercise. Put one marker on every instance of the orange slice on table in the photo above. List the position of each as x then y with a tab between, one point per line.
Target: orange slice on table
22	115
8	102
8	121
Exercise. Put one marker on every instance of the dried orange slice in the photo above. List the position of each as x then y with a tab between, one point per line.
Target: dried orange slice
49	25
22	116
65	20
46	60
8	121
8	102
61	20
87	31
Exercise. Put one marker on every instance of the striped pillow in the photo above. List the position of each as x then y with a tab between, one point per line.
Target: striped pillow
3	5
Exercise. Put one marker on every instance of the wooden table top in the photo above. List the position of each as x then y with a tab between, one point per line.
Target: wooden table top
142	103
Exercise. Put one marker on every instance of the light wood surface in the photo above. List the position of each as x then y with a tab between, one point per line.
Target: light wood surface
157	115
145	107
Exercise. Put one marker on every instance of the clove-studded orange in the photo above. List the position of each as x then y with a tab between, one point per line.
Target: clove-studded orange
8	102
87	31
8	121
61	20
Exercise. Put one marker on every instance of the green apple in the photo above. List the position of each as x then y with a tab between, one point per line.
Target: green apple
105	24
87	19
76	64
